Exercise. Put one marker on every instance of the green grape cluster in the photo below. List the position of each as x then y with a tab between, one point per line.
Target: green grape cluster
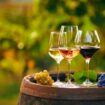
43	78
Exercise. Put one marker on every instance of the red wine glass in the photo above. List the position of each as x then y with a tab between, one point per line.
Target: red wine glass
89	43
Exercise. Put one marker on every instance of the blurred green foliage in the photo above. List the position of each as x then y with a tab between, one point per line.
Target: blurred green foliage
24	36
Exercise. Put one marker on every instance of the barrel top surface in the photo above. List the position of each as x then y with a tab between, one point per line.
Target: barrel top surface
33	89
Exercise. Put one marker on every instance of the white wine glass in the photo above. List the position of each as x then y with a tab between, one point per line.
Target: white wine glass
55	54
68	48
89	43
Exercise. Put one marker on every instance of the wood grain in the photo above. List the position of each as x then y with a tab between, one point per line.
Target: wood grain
36	94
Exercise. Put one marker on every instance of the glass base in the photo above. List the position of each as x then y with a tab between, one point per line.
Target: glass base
69	84
87	83
58	83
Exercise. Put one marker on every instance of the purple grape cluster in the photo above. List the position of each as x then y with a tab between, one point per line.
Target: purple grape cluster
101	80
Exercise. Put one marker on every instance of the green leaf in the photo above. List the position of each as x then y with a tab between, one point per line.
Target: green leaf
79	77
92	75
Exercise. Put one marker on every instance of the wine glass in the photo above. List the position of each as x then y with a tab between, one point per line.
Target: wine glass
89	42
68	47
55	54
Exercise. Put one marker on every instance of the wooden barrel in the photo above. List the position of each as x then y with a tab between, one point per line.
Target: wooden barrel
35	94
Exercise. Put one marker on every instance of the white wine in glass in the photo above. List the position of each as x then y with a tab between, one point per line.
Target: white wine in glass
55	54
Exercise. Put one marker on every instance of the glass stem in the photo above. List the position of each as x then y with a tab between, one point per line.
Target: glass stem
69	72
87	62
58	79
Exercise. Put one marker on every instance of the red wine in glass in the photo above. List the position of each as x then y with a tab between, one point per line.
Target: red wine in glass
88	51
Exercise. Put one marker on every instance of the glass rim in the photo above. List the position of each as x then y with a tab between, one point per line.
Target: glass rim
69	25
55	32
